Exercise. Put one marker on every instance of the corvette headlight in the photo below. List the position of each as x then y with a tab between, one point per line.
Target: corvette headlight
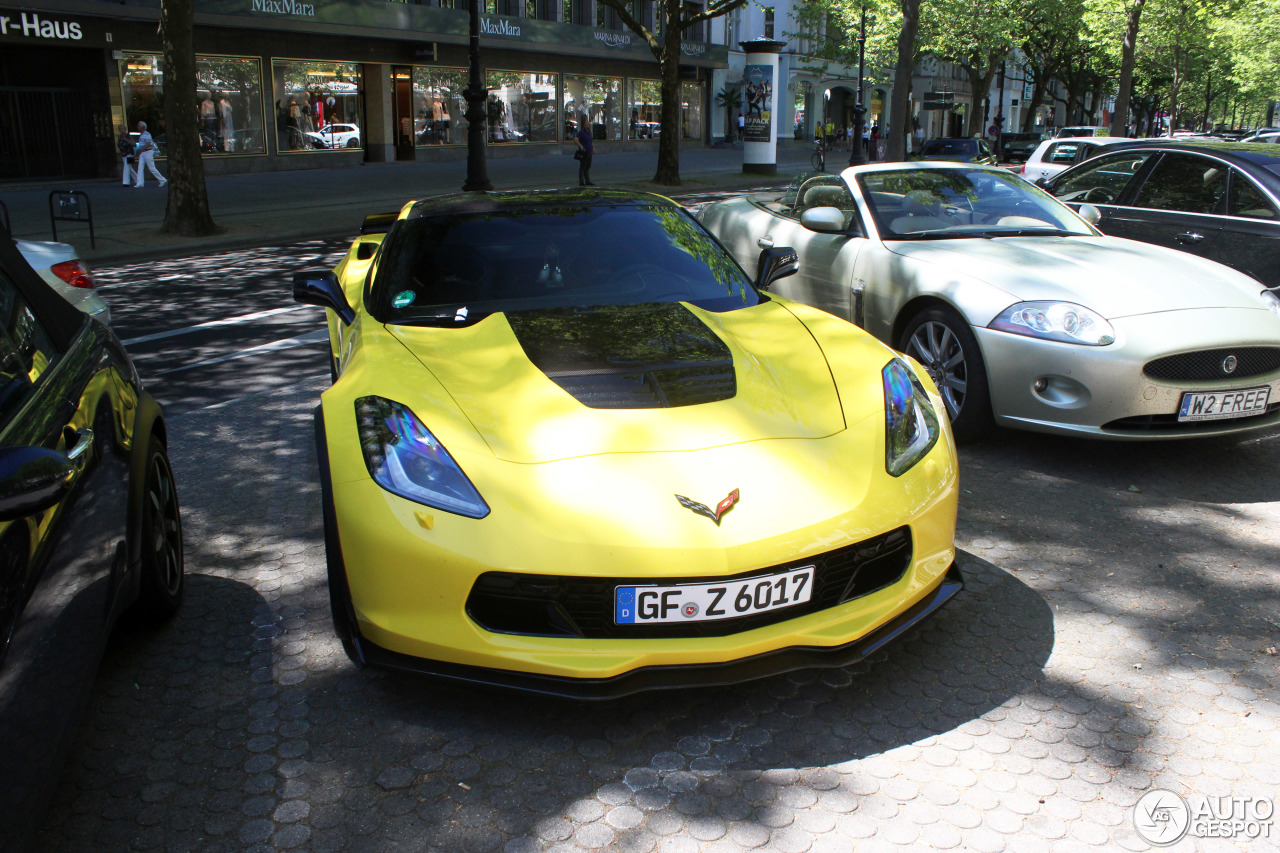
910	423
406	459
1056	321
1272	300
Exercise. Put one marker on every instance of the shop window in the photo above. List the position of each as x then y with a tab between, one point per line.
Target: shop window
522	107
600	98
576	11
646	109
319	106
228	102
733	28
698	31
691	110
439	108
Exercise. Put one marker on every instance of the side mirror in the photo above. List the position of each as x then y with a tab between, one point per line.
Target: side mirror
320	287
1043	183
824	219
1090	214
32	479
775	263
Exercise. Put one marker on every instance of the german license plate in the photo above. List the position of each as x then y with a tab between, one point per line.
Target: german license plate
1224	404
706	602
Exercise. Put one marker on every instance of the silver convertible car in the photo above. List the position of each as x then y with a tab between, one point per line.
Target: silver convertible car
1023	313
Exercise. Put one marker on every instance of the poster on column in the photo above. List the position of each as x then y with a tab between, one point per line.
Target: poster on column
758	103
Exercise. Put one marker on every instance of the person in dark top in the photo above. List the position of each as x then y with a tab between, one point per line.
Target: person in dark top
586	148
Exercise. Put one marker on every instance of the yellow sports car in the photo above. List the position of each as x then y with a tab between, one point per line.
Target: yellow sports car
572	448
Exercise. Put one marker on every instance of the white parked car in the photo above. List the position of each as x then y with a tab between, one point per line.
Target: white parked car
1271	136
1024	314
1062	152
336	136
58	264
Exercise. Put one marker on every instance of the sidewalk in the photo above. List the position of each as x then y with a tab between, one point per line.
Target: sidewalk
274	207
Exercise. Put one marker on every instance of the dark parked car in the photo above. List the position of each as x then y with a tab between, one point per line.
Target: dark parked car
1017	147
957	149
1219	200
89	526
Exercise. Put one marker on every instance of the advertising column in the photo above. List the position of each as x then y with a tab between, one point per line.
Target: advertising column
760	126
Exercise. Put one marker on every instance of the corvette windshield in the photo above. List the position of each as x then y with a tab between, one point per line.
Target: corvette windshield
450	269
939	204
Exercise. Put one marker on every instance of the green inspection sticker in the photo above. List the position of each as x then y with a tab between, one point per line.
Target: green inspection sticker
404	298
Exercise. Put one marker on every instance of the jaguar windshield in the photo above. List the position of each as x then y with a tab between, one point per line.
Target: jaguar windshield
952	203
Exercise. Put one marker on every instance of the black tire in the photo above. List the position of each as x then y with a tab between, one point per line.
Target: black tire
162	584
940	340
818	162
353	143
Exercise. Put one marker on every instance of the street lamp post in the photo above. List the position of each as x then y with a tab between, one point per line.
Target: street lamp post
477	95
857	155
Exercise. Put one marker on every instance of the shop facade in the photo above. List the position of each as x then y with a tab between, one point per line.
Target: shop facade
288	85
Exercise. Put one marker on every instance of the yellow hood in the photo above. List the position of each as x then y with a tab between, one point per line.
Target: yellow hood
784	389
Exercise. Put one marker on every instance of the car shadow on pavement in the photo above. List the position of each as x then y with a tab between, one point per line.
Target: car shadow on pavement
480	769
1067	678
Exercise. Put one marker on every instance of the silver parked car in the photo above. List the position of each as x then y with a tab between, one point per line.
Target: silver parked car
60	266
1023	313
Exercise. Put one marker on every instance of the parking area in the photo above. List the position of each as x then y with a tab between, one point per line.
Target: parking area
1117	634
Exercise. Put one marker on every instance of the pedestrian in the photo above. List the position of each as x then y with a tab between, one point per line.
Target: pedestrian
145	153
742	127
125	146
586	148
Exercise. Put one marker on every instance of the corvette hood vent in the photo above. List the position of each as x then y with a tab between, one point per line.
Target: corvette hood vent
628	356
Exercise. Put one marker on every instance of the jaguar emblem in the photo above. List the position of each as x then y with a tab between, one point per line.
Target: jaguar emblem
706	511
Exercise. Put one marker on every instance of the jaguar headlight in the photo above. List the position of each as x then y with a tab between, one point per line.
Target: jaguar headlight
1272	301
1056	321
406	459
910	424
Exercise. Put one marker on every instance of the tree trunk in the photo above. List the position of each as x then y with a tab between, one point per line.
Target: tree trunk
981	85
900	101
1037	98
668	174
188	207
1128	54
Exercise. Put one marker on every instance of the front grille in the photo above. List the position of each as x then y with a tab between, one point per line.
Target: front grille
1170	423
556	606
1207	364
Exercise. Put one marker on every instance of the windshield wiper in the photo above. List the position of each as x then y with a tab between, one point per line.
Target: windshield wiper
936	235
1029	232
448	319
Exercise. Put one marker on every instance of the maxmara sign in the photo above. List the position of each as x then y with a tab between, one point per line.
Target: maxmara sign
290	8
29	25
499	27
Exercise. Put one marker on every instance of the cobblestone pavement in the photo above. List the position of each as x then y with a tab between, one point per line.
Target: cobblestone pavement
1112	638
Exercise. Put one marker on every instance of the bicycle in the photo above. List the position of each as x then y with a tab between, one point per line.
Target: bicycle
819	158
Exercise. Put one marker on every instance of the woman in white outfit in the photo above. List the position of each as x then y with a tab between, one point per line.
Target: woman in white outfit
146	155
